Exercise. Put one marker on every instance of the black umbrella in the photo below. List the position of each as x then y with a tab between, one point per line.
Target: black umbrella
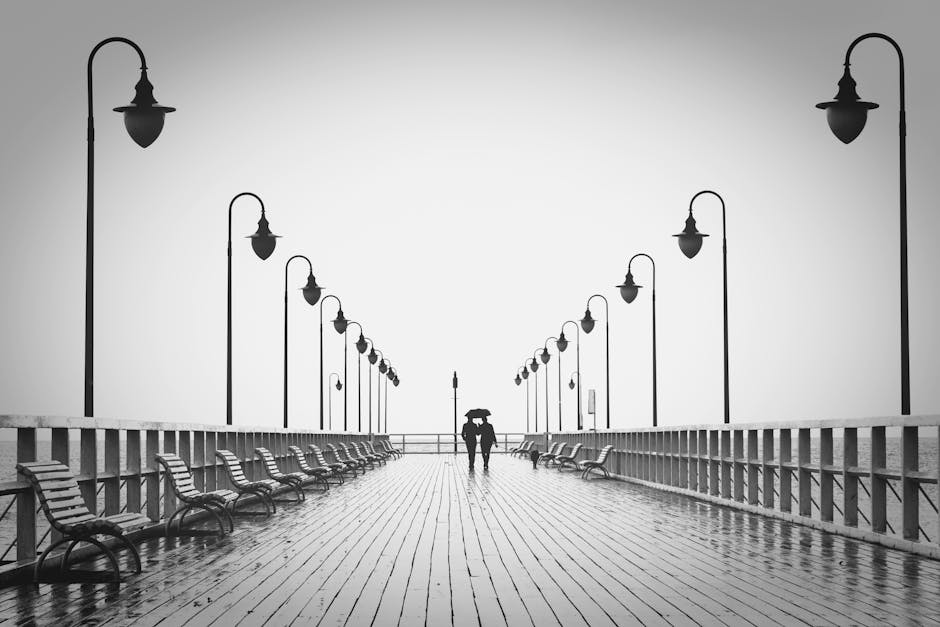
477	413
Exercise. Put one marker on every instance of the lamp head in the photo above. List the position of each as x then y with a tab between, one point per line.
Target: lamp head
545	356
340	322
383	367
518	380
525	372
587	322
311	290
848	113
562	342
395	381
690	240
571	383
339	384
263	240
361	344
629	289
373	357
534	365
143	118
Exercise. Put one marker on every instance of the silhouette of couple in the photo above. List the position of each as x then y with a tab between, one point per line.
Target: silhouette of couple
470	432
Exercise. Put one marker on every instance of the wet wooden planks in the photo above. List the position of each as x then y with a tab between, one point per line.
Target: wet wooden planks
423	542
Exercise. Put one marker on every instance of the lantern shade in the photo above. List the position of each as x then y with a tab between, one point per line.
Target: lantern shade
587	322
533	365
311	290
263	240
144	118
571	384
690	240
373	357
629	289
525	372
339	384
562	342
361	344
518	380
340	322
545	356
383	367
395	381
848	113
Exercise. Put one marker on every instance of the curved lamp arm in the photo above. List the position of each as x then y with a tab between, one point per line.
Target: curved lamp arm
232	204
716	195
310	265
897	48
339	303
91	58
653	263
602	297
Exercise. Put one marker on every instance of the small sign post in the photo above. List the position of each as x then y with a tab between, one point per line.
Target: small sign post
592	407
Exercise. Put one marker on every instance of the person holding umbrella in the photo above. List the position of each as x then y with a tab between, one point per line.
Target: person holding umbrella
469	433
487	440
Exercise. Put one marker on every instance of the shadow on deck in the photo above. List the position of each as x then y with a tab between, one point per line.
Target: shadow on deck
422	542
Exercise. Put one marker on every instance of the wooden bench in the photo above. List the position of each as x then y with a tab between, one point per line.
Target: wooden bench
216	503
292	480
354	455
569	460
342	455
522	449
397	452
361	452
549	457
62	503
598	464
263	489
383	455
319	474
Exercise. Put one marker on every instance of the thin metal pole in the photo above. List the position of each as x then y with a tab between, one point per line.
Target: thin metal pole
359	380
345	376
653	264
606	351
455	411
286	265
526	404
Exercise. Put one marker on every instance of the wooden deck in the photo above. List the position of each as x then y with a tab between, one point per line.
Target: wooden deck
421	542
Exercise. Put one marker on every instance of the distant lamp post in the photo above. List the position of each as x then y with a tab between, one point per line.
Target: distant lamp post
262	242
628	291
545	357
847	115
339	386
389	376
143	119
587	325
518	380
338	327
571	382
311	292
690	242
562	345
361	346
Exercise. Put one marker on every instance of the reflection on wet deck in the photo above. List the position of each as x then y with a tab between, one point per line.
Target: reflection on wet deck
422	542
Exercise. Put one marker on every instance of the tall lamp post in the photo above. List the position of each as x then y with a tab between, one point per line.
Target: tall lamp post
339	386
534	367
524	375
373	357
454	383
587	324
143	119
311	293
690	242
392	376
340	325
545	358
384	367
562	345
361	347
847	115
629	291
262	242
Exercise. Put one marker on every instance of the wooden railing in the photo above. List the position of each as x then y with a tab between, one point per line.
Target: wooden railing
116	458
437	443
872	479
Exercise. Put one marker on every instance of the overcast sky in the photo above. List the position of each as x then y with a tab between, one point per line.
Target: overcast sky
464	176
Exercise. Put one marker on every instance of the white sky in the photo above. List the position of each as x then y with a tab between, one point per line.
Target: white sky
464	176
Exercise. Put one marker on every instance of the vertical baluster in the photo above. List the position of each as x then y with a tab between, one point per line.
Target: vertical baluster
60	453
849	478
725	464
910	496
805	483
648	468
151	448
169	499
686	470
88	468
768	469
677	473
703	462
713	463
786	453
239	451
737	452
752	466
26	499
660	457
184	447
212	480
134	479
112	469
199	460
879	488
825	475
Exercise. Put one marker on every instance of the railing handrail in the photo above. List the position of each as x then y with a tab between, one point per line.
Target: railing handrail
15	421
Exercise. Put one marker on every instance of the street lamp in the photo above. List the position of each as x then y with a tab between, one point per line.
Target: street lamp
361	347
587	324
518	381
340	325
629	291
339	386
690	242
545	360
846	116
143	120
262	242
562	345
389	376
533	367
311	292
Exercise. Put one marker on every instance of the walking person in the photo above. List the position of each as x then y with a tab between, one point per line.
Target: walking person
469	435
487	440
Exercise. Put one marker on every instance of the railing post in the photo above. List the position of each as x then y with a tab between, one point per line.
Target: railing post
849	478
879	512
26	499
704	463
212	481
169	499
199	460
768	469
134	480
60	453
825	475
152	447
737	452
691	450
786	453
752	468
112	468
725	464
910	495
713	459
804	474
88	468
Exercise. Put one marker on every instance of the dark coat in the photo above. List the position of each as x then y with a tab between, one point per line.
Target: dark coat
487	435
469	432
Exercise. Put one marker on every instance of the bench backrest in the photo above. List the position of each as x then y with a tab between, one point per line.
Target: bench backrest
269	464
336	453
602	456
561	448
58	493
319	455
233	468
181	479
351	447
300	457
551	451
575	450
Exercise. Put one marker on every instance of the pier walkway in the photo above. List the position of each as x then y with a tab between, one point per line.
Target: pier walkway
422	542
